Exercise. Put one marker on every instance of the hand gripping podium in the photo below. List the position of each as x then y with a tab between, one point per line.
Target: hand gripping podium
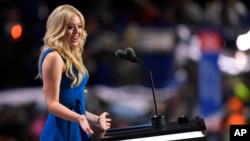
181	130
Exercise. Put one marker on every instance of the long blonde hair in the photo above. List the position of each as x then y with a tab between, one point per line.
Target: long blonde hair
53	38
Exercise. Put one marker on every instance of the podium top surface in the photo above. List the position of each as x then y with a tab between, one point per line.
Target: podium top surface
147	131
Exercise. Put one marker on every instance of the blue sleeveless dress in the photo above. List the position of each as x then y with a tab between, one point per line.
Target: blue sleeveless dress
57	129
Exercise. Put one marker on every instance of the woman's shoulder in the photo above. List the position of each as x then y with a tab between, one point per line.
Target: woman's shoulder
53	55
53	60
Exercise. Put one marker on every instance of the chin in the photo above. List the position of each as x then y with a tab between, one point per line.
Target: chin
73	44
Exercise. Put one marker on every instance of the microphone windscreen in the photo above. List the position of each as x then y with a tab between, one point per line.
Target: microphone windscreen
130	53
121	54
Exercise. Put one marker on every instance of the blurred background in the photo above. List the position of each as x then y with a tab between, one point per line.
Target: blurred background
197	51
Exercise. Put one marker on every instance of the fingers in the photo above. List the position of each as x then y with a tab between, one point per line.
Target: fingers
104	114
87	129
107	126
104	121
85	125
108	119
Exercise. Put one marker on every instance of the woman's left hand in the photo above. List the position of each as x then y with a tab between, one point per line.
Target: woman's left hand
104	122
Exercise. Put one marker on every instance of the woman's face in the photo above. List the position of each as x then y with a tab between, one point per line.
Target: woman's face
73	30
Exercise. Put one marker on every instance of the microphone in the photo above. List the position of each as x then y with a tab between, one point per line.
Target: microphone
121	54
130	55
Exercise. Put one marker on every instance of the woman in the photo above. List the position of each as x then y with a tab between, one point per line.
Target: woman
64	78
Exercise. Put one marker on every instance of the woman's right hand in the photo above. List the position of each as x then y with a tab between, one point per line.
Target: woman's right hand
85	124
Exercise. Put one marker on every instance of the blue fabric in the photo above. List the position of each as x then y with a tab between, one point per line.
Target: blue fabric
57	129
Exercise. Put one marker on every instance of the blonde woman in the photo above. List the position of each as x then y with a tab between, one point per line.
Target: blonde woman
64	78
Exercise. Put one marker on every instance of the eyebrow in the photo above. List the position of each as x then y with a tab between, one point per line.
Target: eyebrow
74	24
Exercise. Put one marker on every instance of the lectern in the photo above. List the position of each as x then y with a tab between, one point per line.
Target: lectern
183	129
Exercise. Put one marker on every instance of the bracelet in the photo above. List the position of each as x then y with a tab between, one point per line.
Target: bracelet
98	120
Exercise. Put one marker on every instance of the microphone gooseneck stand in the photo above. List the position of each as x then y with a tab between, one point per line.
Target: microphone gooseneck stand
157	121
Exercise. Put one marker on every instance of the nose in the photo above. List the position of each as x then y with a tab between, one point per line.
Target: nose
76	30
